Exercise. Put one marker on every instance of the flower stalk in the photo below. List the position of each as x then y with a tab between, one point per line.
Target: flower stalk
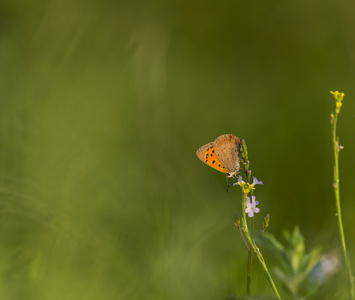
336	149
249	207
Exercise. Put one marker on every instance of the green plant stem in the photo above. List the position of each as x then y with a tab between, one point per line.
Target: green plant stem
256	250
267	273
260	258
250	260
237	223
250	252
337	201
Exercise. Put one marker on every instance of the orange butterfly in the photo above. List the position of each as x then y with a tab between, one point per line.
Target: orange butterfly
222	154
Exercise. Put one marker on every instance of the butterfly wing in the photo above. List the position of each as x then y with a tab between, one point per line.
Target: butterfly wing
227	149
207	155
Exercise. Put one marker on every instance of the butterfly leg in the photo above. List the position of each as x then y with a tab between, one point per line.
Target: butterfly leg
227	182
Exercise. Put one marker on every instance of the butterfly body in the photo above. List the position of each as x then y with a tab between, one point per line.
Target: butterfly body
222	154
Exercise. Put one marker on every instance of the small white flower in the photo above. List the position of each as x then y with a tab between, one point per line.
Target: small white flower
251	207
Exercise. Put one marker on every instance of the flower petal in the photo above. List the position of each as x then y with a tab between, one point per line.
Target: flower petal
256	181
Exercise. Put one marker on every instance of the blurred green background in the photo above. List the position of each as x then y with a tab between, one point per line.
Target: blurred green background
103	105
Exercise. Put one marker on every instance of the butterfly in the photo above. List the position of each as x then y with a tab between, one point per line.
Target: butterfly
223	154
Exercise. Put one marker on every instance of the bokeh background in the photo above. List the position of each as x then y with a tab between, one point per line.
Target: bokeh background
103	106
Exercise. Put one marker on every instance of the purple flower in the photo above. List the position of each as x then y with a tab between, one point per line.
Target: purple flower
240	181
251	207
256	181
